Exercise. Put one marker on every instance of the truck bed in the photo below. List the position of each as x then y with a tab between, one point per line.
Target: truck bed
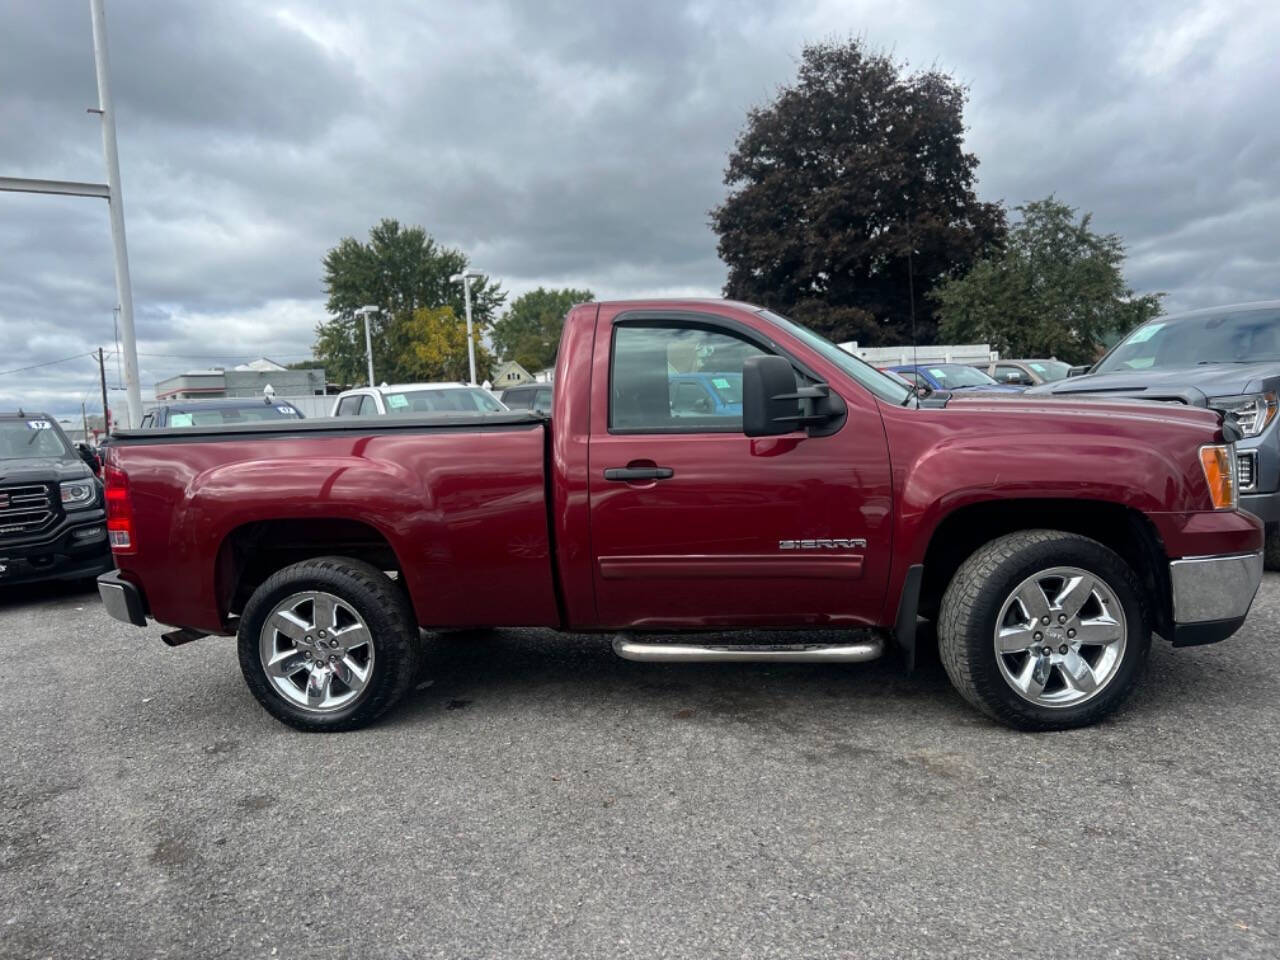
434	421
456	504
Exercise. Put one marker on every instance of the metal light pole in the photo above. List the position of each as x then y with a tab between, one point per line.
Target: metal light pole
115	203
466	277
109	191
368	342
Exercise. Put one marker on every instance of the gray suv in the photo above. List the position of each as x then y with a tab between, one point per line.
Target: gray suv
1225	358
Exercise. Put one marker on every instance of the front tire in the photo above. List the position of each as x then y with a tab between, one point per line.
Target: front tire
1044	630
328	644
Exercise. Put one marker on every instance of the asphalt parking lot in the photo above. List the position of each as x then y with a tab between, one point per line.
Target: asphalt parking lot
542	799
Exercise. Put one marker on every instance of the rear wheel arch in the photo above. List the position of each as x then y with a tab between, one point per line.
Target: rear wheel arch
252	552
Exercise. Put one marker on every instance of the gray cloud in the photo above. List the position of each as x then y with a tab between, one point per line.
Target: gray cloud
567	143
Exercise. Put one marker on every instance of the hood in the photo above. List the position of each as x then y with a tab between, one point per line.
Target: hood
1120	415
1190	385
43	470
986	388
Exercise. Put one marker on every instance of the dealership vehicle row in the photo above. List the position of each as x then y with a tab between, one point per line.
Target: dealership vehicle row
698	466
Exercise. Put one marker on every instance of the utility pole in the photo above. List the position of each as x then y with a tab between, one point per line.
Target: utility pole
115	204
106	410
84	422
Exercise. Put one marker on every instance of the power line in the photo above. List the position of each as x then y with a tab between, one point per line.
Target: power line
47	363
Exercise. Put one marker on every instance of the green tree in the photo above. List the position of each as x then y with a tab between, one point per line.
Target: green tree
435	347
529	332
833	183
399	270
1057	290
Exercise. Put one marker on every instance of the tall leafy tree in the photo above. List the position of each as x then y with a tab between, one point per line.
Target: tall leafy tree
849	169
529	332
400	270
435	348
1057	289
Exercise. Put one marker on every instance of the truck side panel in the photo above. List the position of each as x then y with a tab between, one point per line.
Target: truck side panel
463	511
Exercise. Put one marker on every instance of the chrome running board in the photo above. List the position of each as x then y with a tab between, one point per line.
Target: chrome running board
629	649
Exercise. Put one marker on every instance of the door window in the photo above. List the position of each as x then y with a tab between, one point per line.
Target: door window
542	403
368	407
657	378
347	406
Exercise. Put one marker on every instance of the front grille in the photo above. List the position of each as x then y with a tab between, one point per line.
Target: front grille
24	510
1247	469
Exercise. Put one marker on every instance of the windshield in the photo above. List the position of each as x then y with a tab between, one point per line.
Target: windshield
20	439
443	400
1239	337
1050	370
216	416
951	376
882	386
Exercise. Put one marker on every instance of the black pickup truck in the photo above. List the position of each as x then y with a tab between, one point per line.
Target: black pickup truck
52	520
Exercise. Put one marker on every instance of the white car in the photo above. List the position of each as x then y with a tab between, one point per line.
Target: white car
408	399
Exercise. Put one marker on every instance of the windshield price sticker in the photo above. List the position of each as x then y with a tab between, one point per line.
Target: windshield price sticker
39	425
287	411
1146	333
180	420
721	383
397	401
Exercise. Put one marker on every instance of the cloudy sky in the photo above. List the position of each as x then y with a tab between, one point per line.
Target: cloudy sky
566	143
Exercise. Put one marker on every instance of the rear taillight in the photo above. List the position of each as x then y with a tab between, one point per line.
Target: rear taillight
119	511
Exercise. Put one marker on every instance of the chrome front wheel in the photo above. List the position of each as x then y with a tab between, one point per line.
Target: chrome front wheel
1060	637
317	651
1044	629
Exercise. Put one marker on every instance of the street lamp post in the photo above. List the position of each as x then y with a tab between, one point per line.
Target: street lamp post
368	341
465	278
111	192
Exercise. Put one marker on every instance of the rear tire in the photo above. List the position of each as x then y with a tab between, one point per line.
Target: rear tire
328	644
1096	648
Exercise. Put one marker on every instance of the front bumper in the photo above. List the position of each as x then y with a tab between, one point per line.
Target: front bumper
1264	506
1212	596
78	550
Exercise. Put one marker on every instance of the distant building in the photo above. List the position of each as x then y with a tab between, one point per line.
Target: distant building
244	380
510	374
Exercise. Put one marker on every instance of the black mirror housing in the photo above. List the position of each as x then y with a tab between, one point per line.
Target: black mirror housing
1079	371
769	403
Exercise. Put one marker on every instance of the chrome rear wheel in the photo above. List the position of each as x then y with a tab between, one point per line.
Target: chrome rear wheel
316	651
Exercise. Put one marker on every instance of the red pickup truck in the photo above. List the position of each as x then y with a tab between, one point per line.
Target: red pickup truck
1047	539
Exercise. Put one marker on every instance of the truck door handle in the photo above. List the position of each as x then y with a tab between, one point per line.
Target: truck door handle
638	473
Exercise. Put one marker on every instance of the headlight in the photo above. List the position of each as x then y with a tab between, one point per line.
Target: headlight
1219	463
78	494
1253	411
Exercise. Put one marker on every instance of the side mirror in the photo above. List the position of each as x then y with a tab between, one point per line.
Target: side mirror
769	403
89	457
923	389
1079	371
